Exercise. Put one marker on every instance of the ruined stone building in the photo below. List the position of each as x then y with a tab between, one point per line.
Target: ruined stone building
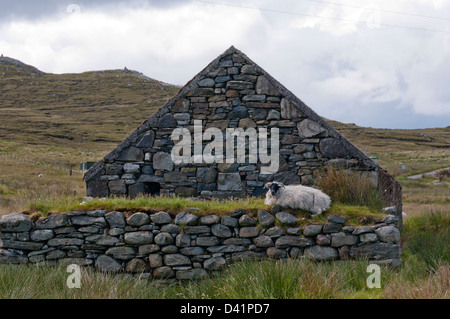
232	94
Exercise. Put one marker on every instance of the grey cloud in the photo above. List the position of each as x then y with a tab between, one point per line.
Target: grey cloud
36	10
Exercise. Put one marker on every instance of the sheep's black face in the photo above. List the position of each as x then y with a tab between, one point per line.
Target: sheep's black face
274	188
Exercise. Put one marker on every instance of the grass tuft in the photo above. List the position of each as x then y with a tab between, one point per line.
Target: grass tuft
349	187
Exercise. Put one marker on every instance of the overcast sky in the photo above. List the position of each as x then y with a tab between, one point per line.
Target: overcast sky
378	63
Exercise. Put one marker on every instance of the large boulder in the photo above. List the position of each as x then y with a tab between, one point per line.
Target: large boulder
15	222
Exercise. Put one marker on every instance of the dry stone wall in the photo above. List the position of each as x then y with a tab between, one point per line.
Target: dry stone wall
186	246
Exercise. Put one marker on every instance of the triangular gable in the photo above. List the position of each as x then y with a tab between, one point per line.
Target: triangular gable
341	142
330	146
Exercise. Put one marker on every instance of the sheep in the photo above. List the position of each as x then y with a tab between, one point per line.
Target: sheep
297	197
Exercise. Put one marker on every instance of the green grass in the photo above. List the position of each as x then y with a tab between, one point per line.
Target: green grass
142	203
267	279
44	205
427	236
349	187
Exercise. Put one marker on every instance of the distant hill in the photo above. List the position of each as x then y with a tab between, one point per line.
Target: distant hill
94	111
75	109
394	140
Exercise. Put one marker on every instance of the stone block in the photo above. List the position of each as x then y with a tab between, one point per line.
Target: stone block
138	219
15	222
321	253
308	128
342	239
214	263
276	253
377	251
221	231
292	241
115	219
248	232
162	161
263	86
286	218
138	238
229	182
312	230
176	260
206	175
265	218
289	110
186	219
107	264
117	187
160	218
183	191
388	234
192	274
166	121
131	154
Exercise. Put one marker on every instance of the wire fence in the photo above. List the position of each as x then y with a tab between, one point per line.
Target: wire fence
45	164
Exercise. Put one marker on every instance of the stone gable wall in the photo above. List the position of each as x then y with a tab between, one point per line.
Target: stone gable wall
185	246
231	92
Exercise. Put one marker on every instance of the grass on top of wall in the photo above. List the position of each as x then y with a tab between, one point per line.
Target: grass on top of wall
43	206
62	204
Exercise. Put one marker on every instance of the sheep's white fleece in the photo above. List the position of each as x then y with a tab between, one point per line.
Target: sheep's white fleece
300	197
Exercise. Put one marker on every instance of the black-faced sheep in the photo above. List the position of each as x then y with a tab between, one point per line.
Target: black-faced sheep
297	197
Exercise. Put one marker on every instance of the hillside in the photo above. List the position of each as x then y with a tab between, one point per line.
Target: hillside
78	117
387	140
87	111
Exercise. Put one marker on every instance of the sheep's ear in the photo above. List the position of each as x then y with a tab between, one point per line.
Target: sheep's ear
281	185
267	186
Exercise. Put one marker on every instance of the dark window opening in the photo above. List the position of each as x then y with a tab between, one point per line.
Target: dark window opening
146	189
153	188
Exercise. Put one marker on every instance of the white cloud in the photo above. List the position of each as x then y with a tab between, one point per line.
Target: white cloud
151	39
339	69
